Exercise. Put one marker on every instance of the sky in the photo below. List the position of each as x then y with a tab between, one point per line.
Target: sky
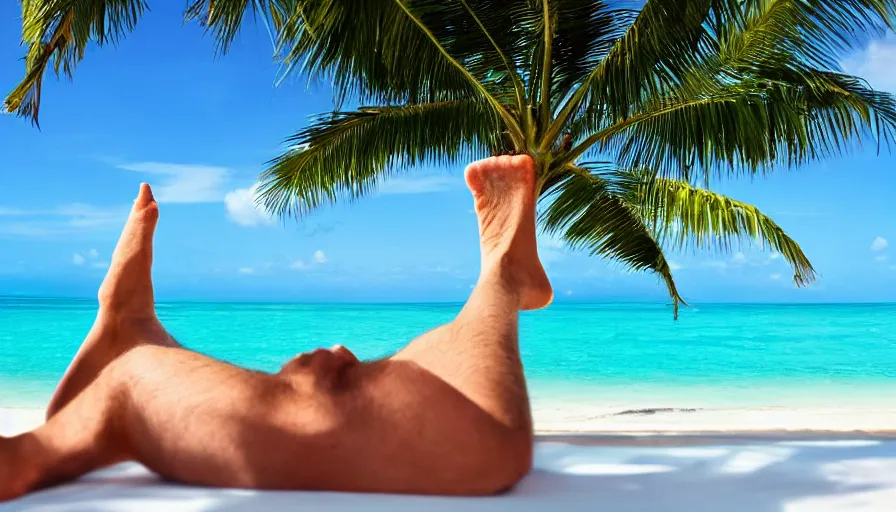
162	108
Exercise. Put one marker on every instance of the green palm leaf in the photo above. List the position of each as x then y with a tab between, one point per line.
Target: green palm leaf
590	214
59	31
682	215
749	125
223	19
370	144
365	49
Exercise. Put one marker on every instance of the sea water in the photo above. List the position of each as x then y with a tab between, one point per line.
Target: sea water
584	362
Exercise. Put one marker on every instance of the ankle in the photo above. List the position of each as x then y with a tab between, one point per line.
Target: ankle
500	274
520	277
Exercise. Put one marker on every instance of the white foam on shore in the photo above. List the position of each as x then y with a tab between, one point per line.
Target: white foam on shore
658	419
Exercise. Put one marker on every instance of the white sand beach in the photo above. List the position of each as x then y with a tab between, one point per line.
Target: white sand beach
732	469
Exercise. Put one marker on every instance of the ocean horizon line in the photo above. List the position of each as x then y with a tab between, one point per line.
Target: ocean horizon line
694	304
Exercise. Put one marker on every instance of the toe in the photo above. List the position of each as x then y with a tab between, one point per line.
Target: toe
144	196
145	210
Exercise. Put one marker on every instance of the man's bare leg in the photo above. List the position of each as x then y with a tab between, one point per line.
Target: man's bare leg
126	305
430	421
130	392
478	353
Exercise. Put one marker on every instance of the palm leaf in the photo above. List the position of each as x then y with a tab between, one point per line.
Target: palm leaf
508	64
223	18
590	214
683	215
399	51
585	32
59	31
802	32
748	125
665	40
346	155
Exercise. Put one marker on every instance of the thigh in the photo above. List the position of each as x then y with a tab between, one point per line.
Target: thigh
396	428
196	420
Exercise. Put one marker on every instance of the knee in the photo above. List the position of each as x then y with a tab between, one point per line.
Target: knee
136	362
131	371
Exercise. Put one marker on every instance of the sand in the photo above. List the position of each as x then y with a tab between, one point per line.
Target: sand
753	471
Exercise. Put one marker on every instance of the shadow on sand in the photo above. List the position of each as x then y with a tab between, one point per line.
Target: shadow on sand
614	473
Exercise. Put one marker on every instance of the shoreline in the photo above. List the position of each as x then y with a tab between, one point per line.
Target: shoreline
761	423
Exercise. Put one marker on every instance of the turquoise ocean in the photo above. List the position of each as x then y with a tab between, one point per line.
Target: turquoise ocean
615	356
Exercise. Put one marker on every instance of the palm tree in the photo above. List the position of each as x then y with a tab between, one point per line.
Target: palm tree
628	113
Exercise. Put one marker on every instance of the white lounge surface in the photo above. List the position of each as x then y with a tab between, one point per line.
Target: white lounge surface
730	472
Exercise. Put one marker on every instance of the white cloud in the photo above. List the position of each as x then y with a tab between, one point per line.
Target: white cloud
879	244
85	216
775	277
318	258
739	258
774	255
674	266
246	270
80	259
242	209
183	183
875	63
882	257
423	185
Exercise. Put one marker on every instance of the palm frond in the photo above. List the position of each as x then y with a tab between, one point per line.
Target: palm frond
546	69
590	214
400	51
749	125
666	39
585	32
509	65
59	31
223	18
682	215
346	156
812	33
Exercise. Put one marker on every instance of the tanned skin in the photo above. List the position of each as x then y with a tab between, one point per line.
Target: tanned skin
448	414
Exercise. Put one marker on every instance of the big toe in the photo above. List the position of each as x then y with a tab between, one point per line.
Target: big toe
144	196
145	213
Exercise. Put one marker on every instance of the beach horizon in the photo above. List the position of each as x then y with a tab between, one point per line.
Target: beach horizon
623	367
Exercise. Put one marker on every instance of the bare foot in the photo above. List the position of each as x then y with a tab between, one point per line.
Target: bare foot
127	288
126	315
504	197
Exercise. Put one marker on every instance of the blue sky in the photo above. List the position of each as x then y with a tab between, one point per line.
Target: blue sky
161	108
